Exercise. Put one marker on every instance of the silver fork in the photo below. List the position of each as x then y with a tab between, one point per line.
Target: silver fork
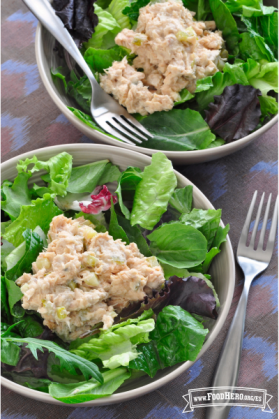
107	113
252	262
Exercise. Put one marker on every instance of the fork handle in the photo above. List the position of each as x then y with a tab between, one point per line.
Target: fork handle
227	369
44	12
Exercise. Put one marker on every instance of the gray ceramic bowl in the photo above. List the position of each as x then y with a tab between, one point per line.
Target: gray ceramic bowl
47	59
222	270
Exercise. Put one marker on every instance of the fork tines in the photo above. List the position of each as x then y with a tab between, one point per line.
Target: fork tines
272	233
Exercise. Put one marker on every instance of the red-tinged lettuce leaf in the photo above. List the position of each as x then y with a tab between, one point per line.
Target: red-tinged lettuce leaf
235	113
78	17
177	337
100	202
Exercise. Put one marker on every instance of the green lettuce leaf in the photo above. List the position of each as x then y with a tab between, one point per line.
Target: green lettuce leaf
16	195
33	246
177	337
68	360
101	59
40	213
182	199
268	105
87	120
86	178
185	95
134	235
171	271
178	245
153	192
5	311
267	79
116	346
115	9
59	168
206	221
253	46
132	11
89	390
204	84
128	181
111	174
115	230
269	26
249	7
107	24
178	130
226	23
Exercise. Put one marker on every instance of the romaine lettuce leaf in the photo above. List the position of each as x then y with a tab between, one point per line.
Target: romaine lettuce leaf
178	130
115	8
177	337
206	221
269	26
153	192
128	181
89	390
59	168
267	79
253	46
85	178
116	346
249	7
40	213
107	24
268	105
182	199
178	245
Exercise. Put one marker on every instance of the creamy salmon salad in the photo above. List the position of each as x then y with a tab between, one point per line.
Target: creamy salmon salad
101	269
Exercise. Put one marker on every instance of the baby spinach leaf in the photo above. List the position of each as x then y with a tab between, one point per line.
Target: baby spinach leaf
115	230
182	199
177	337
153	192
134	235
178	245
178	130
206	221
85	178
9	352
226	23
40	213
111	174
132	11
89	390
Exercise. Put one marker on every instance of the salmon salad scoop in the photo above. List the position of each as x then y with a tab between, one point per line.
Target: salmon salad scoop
84	278
173	52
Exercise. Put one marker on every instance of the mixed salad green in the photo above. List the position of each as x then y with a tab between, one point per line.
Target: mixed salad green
198	121
146	208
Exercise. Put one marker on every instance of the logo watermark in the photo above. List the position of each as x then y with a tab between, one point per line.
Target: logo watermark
227	396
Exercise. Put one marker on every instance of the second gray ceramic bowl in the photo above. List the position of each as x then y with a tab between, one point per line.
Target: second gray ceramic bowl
47	59
222	269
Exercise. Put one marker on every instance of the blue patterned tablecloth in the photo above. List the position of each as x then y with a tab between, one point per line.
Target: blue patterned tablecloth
30	120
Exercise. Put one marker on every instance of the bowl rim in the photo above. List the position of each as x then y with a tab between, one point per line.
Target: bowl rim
210	153
130	394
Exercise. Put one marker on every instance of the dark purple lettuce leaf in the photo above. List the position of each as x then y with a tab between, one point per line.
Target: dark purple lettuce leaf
194	295
78	17
235	113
